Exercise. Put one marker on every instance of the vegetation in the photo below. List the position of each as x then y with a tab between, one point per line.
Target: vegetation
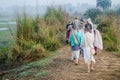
92	13
6	41
104	4
108	24
32	70
109	27
118	11
35	37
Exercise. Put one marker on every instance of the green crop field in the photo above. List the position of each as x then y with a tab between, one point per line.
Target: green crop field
7	29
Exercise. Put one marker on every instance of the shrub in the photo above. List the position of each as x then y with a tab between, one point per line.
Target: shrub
25	54
109	27
55	17
92	13
36	36
49	38
118	11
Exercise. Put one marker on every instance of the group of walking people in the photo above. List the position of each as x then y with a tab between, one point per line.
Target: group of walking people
84	38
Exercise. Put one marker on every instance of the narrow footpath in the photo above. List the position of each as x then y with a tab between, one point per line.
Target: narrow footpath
107	67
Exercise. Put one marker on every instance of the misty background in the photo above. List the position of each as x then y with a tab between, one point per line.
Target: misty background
10	7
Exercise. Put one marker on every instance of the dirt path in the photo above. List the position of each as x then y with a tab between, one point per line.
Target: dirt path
106	68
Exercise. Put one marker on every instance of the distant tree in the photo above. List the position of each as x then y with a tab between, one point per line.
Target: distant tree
104	4
118	11
92	13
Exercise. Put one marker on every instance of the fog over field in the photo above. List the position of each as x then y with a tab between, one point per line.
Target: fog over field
9	7
5	3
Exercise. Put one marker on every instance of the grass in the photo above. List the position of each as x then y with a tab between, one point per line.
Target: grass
41	63
5	35
117	54
34	37
37	35
5	43
6	40
32	75
26	73
34	70
4	25
41	74
109	27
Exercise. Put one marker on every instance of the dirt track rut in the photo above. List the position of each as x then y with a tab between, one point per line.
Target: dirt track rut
107	67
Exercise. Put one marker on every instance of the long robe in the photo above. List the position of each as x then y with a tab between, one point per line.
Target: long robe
98	40
87	44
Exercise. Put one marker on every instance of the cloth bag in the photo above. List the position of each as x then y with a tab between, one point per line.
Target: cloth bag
75	38
92	50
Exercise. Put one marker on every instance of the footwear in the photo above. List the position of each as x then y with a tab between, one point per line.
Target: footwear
76	63
88	72
95	54
92	68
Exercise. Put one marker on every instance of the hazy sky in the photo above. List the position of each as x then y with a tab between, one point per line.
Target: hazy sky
5	3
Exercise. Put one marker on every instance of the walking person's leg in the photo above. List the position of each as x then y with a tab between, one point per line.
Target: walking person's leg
87	58
72	55
77	54
88	66
92	62
91	65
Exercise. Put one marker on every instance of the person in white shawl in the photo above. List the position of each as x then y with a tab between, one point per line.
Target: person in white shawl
76	23
88	49
98	43
81	32
90	23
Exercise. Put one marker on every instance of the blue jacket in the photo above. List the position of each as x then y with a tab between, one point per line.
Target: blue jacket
71	39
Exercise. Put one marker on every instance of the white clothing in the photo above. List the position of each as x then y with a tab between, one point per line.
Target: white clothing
88	39
87	45
75	54
81	32
90	22
98	40
87	55
76	23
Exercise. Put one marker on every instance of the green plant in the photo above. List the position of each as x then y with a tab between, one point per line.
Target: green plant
41	74
35	36
92	13
108	25
104	4
118	11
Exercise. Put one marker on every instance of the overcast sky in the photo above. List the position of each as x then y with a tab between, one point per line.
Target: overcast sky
5	3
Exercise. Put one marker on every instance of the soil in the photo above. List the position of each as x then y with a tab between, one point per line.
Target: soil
107	67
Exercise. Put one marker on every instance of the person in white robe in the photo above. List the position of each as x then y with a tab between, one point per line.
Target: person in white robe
89	21
87	49
81	32
98	42
76	23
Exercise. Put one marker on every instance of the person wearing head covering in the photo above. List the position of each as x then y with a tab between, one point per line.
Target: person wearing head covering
81	32
69	24
75	40
98	43
76	23
88	49
89	25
